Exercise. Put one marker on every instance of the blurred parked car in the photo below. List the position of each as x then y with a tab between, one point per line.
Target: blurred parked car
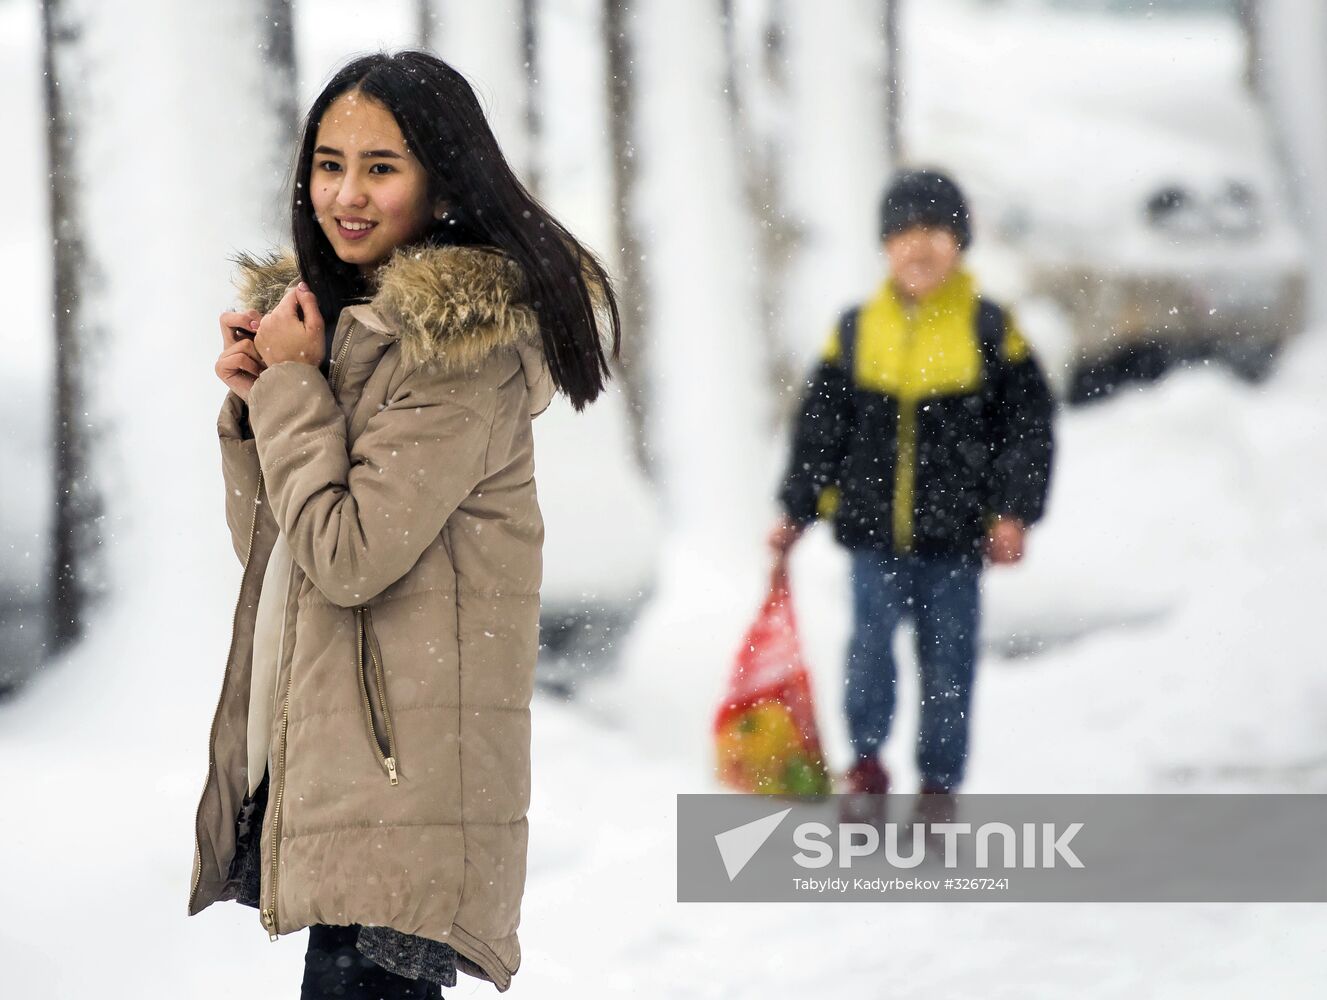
1117	155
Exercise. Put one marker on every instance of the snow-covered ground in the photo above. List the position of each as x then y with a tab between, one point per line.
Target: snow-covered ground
1175	586
1159	637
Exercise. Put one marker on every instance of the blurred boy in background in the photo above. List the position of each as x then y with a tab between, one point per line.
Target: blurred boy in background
925	437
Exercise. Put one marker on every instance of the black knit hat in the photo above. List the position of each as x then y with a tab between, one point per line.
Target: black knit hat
925	198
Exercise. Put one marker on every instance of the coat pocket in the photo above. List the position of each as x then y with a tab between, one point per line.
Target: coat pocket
373	689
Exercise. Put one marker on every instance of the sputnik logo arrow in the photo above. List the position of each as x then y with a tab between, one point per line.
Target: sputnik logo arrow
739	845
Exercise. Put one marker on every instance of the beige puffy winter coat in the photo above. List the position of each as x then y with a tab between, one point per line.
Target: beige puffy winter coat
404	486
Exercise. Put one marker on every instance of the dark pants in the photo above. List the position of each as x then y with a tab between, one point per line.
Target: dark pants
334	968
941	595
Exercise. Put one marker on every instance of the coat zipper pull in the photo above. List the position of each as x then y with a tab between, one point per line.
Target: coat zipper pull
391	769
269	921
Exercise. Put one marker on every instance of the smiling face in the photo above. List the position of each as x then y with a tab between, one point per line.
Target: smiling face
921	258
369	192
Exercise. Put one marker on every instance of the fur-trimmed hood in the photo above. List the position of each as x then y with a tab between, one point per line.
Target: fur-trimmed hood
450	304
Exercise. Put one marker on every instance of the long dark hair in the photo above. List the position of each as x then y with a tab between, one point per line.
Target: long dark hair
444	126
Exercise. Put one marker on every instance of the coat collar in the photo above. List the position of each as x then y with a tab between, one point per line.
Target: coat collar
447	304
956	294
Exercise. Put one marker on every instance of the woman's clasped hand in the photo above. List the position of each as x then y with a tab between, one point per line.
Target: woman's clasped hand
252	341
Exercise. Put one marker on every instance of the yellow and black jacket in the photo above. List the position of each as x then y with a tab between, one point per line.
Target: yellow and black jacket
943	422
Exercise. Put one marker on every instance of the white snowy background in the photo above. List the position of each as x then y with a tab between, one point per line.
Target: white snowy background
1162	635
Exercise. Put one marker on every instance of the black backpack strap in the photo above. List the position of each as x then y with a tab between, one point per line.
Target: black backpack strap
990	334
848	341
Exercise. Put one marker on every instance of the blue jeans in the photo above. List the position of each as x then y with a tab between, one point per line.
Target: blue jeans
942	597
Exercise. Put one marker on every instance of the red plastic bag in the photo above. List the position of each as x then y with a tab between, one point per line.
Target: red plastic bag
765	733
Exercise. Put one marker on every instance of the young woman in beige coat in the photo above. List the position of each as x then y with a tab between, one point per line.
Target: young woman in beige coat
369	761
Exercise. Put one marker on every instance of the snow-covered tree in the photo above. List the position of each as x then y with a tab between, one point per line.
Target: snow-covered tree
709	405
1288	68
708	398
620	90
171	135
487	42
836	160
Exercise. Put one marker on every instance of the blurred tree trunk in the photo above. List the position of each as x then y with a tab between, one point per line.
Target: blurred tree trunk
754	78
893	83
1248	16
280	88
278	61
533	124
76	572
631	293
425	24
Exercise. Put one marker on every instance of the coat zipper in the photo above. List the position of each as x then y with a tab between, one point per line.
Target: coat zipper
212	737
338	363
369	643
905	464
904	475
269	914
